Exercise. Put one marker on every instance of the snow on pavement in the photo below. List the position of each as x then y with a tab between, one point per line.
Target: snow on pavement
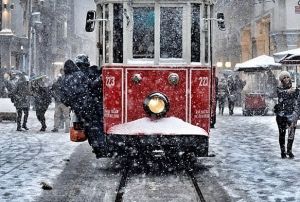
31	157
248	162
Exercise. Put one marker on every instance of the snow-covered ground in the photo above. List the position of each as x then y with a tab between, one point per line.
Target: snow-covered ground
247	161
31	157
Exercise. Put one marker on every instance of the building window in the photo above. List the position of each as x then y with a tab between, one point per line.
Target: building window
171	32
143	32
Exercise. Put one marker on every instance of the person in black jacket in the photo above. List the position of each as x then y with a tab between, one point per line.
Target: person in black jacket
82	92
93	106
231	87
287	112
42	99
22	101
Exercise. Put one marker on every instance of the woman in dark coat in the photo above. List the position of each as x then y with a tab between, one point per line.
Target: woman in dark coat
22	101
287	112
42	100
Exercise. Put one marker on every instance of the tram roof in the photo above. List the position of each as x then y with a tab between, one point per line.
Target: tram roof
152	1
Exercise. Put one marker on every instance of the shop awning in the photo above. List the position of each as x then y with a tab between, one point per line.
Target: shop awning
288	57
259	63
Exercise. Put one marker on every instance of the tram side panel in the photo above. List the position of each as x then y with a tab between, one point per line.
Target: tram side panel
113	97
200	98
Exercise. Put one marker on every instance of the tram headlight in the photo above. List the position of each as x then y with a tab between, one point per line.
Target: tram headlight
156	104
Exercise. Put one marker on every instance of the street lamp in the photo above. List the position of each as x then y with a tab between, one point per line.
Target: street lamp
35	21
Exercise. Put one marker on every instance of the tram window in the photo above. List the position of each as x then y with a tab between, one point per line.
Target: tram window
143	32
171	32
106	34
206	36
118	34
195	33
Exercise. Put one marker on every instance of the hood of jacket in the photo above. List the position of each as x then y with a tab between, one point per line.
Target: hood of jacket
70	67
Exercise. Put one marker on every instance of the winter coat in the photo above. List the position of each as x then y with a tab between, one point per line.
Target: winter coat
56	90
95	96
288	104
42	97
222	90
11	88
74	89
22	94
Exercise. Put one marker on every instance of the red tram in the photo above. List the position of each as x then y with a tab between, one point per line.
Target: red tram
158	91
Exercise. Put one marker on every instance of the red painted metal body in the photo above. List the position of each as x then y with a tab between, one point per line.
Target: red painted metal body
255	103
190	99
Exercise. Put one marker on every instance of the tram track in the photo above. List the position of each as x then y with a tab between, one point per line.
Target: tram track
188	171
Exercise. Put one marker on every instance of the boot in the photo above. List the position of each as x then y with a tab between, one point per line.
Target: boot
283	155
19	124
43	128
19	128
289	149
282	146
25	127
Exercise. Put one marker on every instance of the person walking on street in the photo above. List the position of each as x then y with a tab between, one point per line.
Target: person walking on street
222	95
231	88
287	112
22	101
42	100
60	109
240	84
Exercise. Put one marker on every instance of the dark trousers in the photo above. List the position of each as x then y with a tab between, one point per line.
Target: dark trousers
282	124
221	101
40	114
230	106
19	116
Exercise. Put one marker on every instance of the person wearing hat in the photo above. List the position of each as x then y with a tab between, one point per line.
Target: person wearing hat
287	112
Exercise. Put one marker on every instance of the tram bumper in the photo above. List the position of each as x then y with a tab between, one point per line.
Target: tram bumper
197	144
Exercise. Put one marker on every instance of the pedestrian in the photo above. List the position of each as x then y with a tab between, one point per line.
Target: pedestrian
240	84
42	99
231	89
60	110
287	112
82	91
11	84
22	101
93	108
222	95
213	119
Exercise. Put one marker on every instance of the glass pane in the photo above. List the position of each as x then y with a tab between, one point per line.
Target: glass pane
171	32
195	36
118	34
143	32
107	32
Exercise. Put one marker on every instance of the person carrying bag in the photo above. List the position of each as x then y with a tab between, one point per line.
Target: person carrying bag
287	112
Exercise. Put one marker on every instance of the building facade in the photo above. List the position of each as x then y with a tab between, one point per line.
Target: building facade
256	27
37	36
